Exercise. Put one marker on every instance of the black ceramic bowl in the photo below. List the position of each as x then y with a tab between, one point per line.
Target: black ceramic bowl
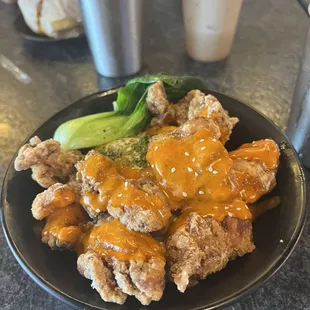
56	272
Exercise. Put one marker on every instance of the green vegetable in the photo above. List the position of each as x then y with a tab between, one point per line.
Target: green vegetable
130	115
127	151
176	86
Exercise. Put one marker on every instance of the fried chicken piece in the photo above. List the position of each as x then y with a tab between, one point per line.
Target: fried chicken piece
146	212
136	260
63	227
165	113
192	126
156	99
203	246
56	196
209	107
92	267
191	161
188	129
256	165
49	163
137	203
144	280
194	104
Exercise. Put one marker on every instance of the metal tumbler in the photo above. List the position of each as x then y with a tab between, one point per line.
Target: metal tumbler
298	128
114	33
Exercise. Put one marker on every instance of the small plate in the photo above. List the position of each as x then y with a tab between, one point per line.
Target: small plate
24	31
56	272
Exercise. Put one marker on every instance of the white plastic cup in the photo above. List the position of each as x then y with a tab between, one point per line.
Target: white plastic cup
210	27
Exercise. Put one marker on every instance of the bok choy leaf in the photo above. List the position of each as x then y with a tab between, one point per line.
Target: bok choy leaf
130	115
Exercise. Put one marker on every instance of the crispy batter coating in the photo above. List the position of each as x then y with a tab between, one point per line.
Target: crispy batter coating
156	99
194	104
56	196
50	164
63	227
92	267
203	246
139	214
209	107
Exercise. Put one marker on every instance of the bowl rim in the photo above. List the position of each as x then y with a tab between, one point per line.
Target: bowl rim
72	301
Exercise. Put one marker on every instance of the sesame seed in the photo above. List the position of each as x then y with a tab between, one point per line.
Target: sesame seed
210	169
119	195
214	140
189	169
186	154
203	148
97	210
226	208
193	160
156	148
201	192
281	240
196	174
152	166
238	209
215	172
126	183
172	170
184	194
201	140
230	214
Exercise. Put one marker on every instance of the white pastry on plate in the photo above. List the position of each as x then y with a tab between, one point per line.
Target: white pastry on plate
54	18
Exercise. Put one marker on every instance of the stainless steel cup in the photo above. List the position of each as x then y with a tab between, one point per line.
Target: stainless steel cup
298	128
114	33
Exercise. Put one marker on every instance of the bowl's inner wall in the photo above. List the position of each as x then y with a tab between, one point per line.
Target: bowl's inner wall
59	268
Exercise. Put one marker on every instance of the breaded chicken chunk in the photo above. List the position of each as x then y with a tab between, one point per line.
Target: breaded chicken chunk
156	99
137	203
63	227
256	165
56	196
92	267
50	164
121	262
209	107
194	104
203	246
191	161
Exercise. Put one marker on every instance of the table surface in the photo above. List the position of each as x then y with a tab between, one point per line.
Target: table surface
260	71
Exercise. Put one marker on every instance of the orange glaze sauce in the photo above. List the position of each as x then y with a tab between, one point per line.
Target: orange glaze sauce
131	195
216	117
156	130
63	197
63	223
114	190
251	189
196	166
217	210
115	240
262	206
265	151
135	173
